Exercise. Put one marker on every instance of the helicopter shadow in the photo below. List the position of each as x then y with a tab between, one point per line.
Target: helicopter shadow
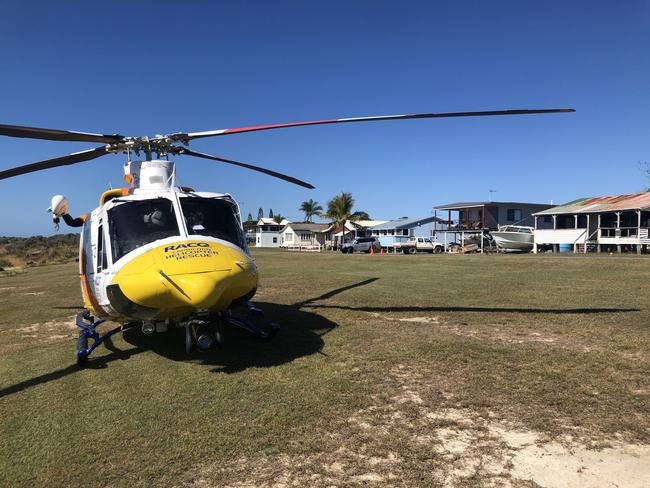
301	334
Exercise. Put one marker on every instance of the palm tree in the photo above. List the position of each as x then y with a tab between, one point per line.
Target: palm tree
310	208
339	211
278	218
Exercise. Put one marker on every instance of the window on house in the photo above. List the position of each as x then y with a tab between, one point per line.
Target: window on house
305	236
288	236
275	240
514	215
405	232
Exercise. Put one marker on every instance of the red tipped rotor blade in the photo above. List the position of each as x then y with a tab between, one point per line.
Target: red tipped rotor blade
254	128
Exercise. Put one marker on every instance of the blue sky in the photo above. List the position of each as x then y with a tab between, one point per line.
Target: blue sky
141	68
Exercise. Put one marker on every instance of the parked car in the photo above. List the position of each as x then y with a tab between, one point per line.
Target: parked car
419	244
361	244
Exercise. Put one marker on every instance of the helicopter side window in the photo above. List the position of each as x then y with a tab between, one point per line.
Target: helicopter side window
101	250
86	249
136	223
212	217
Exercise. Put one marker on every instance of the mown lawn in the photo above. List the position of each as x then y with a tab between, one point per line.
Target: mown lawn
554	344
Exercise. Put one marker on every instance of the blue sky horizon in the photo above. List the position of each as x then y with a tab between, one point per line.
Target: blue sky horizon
145	68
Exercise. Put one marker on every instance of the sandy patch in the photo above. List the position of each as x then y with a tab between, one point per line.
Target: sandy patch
438	445
554	465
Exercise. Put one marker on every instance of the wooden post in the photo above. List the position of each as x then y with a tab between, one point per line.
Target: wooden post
618	226
638	233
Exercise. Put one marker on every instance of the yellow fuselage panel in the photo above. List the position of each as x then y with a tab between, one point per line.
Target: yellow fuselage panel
180	278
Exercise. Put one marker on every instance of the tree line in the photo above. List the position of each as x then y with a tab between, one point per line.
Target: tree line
340	209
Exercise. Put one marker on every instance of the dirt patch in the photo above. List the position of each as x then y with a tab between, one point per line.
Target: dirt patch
555	465
41	333
438	445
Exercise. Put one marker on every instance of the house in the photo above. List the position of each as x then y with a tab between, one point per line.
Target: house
250	228
353	229
472	219
391	232
303	234
267	232
617	222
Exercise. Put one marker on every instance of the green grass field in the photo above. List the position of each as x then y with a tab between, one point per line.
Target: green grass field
388	370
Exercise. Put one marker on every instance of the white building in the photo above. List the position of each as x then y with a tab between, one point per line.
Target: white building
609	223
267	232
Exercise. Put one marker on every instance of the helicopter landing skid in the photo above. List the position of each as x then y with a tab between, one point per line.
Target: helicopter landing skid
88	325
246	323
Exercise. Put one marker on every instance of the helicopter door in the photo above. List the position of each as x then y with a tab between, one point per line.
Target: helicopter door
101	265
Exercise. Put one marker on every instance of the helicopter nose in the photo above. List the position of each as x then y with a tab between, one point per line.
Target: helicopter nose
199	290
164	284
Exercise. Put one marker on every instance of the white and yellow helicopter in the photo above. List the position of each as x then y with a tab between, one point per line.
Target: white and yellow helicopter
155	255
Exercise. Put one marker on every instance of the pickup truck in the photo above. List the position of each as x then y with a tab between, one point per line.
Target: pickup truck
419	244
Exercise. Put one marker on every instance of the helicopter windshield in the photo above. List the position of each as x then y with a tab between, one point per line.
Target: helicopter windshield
136	223
212	217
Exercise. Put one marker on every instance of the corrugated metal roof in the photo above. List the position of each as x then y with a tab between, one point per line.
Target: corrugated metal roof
402	223
268	221
612	203
464	205
306	226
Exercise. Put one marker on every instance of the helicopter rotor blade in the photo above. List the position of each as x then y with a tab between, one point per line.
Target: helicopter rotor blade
239	130
73	158
269	172
57	134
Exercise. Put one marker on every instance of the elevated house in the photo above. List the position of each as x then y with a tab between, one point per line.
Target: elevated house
391	232
267	232
609	223
303	234
473	219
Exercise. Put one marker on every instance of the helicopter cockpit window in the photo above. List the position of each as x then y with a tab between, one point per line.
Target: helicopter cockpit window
136	223
212	217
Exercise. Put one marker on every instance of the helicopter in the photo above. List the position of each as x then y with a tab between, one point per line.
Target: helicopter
154	255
